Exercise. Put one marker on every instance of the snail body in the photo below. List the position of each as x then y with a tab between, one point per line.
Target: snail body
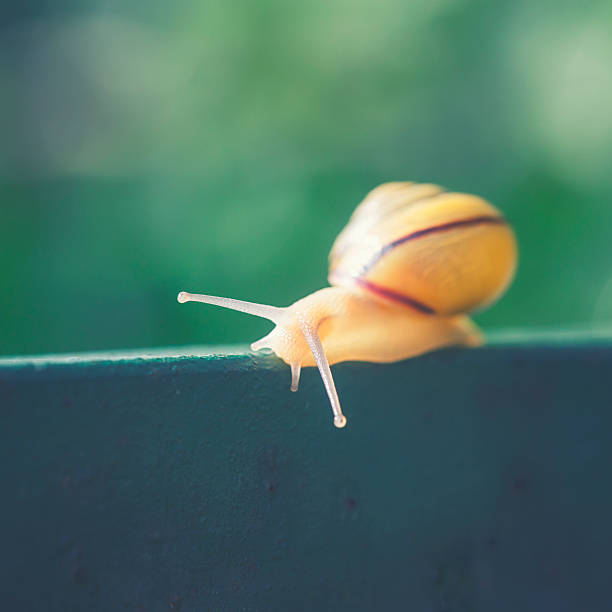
405	271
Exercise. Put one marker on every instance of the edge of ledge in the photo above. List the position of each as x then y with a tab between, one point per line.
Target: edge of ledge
239	354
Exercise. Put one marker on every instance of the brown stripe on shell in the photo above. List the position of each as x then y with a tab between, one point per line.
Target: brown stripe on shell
388	294
442	227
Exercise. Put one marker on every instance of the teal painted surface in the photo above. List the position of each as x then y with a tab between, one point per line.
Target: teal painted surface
465	480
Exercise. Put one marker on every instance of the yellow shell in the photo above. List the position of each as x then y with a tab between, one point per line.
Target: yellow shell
435	251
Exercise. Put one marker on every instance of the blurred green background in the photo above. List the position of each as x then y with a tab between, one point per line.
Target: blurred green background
219	147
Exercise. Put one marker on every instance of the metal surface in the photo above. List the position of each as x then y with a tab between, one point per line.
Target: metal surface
465	480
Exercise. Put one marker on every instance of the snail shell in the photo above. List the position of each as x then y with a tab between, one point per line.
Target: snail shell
435	251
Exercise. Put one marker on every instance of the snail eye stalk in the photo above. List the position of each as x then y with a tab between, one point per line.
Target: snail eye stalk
316	346
272	313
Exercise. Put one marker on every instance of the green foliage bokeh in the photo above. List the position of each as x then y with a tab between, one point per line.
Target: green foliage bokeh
219	147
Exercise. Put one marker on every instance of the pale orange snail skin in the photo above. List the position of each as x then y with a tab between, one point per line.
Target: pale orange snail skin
405	271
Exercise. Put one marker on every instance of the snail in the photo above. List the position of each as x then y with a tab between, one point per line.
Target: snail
409	266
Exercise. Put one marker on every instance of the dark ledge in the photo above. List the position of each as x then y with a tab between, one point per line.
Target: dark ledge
194	479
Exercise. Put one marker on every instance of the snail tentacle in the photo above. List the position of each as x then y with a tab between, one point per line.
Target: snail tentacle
272	313
296	368
316	346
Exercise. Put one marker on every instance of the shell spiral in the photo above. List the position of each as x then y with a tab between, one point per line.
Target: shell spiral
428	249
